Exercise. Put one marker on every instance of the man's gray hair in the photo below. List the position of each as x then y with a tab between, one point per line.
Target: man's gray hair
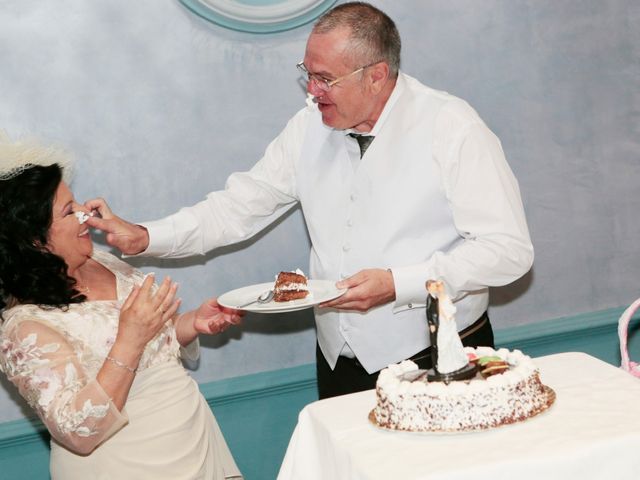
374	36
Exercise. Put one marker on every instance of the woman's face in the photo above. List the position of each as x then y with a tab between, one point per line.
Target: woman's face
67	237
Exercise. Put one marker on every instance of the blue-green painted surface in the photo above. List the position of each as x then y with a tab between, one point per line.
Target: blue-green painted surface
594	333
258	412
24	450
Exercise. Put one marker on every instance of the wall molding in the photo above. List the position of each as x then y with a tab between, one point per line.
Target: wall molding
260	385
20	432
584	325
222	392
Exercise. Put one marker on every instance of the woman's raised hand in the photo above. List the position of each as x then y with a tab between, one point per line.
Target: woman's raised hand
127	237
144	312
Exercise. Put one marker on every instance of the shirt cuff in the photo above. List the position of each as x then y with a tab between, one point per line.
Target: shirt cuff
410	287
160	239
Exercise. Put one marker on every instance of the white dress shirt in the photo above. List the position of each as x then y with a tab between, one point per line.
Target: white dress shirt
432	198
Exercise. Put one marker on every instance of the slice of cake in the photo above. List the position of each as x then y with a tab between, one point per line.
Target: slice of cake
290	286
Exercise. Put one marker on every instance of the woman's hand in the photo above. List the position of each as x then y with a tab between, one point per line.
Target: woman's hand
127	237
144	313
142	316
211	318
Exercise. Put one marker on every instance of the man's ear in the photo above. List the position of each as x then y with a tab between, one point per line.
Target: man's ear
378	76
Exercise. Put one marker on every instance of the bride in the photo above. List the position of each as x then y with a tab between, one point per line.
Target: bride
94	345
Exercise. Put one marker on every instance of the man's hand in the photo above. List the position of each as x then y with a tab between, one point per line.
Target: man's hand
367	289
127	237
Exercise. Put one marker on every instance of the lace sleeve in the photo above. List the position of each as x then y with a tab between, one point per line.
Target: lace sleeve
41	363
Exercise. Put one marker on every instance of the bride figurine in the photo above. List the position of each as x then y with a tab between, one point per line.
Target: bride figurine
449	359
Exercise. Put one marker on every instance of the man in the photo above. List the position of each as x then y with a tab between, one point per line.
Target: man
431	198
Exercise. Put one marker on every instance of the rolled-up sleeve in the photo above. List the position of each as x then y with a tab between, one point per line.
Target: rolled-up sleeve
249	202
487	210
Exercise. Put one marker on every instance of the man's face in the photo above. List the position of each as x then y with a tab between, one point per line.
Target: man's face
346	104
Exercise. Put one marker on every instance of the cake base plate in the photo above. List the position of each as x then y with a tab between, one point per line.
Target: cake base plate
548	392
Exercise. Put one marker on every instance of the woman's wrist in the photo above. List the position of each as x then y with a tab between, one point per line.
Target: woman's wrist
185	328
120	364
124	356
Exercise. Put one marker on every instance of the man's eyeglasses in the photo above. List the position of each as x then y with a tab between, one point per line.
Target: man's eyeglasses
323	83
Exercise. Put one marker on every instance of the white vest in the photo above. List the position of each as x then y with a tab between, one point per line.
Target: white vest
390	211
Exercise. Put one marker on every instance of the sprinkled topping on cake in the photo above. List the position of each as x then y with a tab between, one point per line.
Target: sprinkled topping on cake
509	391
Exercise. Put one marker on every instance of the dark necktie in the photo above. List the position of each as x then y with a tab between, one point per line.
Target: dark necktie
363	141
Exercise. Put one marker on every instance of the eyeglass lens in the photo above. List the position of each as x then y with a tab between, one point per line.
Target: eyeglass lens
320	82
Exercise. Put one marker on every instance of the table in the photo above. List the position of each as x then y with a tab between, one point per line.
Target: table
591	432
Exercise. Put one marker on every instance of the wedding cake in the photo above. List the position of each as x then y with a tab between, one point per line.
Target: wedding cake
500	386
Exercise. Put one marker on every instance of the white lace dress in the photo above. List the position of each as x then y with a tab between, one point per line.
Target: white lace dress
165	430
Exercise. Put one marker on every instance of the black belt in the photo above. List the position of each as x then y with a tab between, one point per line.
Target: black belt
475	326
465	332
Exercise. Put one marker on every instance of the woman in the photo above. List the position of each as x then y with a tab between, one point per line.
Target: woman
92	344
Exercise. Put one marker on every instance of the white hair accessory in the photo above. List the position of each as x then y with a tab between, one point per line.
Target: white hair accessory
16	157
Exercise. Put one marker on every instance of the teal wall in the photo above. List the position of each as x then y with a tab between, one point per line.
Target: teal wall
258	412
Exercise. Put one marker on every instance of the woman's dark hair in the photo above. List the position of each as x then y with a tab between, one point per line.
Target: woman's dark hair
29	272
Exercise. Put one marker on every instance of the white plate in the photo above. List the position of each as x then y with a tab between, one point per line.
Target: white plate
319	291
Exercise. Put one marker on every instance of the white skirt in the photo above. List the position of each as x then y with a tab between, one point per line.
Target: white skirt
171	434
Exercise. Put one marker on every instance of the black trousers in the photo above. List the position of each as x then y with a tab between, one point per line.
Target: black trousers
349	376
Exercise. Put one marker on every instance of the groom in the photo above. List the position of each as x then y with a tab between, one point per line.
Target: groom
428	195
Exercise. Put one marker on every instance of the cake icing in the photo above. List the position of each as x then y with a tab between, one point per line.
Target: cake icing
469	388
290	286
81	216
478	404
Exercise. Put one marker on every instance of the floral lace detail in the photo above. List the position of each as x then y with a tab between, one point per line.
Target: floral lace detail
72	420
44	386
19	358
53	357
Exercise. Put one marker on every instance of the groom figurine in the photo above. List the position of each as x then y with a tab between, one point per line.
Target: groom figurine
447	353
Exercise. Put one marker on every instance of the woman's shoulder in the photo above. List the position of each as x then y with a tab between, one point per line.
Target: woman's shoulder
22	311
14	316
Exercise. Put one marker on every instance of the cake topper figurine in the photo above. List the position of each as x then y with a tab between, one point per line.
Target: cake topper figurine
447	352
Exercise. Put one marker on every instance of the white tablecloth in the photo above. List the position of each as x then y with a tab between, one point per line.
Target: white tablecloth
591	432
